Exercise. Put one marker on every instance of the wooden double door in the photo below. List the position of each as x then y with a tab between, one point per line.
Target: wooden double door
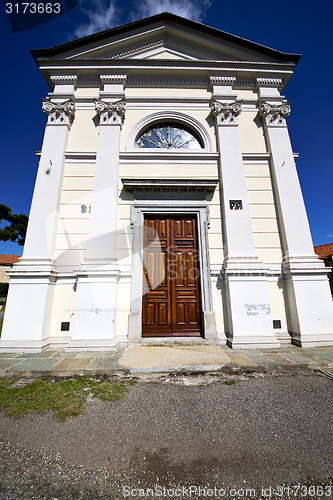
171	301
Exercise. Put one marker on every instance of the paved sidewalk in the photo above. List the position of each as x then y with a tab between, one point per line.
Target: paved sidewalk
163	358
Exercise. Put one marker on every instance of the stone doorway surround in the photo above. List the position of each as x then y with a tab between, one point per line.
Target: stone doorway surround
201	211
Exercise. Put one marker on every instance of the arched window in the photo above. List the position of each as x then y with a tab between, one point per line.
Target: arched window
169	135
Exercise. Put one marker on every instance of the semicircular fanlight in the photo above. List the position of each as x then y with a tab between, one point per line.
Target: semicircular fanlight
169	136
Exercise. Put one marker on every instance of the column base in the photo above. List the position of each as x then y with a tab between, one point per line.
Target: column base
312	340
18	346
28	310
135	326
91	345
247	306
255	342
209	325
95	308
308	302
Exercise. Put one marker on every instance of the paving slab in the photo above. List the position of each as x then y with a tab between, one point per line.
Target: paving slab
281	360
71	364
103	363
28	355
261	359
242	360
48	354
8	363
8	355
32	365
155	358
327	355
93	354
64	354
176	356
297	358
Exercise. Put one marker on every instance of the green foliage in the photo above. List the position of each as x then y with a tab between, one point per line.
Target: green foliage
230	382
65	398
4	289
17	228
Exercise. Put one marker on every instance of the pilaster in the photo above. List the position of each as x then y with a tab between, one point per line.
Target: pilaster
245	298
95	309
308	301
35	269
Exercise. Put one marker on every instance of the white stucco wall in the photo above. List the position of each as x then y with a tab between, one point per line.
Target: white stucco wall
73	226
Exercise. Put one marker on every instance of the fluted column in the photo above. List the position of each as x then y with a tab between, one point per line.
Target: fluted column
307	295
95	308
28	330
246	302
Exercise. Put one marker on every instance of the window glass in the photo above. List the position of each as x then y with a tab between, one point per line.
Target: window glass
169	136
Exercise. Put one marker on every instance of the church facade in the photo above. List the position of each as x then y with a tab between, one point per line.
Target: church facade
167	204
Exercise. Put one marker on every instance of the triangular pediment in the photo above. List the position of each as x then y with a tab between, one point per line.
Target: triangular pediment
165	37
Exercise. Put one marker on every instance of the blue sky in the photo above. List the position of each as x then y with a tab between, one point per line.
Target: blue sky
299	26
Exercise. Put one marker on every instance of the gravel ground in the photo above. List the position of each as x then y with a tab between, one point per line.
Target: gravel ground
262	431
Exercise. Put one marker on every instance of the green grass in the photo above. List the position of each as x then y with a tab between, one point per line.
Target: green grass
65	398
230	382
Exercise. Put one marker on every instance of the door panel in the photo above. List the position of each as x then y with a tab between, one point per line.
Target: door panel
171	277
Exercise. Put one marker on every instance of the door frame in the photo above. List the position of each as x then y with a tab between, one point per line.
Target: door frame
201	211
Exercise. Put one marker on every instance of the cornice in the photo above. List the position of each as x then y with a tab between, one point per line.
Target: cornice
223	80
113	78
203	185
164	20
179	82
130	155
80	155
164	42
256	156
269	82
167	64
90	81
245	84
141	154
278	71
63	79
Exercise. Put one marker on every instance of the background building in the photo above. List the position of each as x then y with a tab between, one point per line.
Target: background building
6	264
167	202
325	253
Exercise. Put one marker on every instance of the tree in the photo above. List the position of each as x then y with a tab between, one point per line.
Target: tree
17	228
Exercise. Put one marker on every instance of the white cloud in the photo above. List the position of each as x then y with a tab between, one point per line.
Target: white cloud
104	14
191	9
102	17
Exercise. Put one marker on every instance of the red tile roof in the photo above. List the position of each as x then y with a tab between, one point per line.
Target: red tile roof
324	251
9	259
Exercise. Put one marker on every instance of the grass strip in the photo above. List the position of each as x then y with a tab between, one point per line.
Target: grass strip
64	397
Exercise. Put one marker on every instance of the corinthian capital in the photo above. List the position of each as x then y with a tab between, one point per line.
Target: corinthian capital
226	113
111	113
274	115
59	113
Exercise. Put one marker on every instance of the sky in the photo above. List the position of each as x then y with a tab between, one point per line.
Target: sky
297	26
